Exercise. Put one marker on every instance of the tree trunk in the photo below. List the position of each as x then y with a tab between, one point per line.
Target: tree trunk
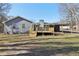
1	28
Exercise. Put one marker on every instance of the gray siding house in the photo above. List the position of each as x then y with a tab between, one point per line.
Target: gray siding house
17	25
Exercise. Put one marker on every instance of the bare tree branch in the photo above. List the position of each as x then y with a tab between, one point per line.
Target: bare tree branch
70	11
4	9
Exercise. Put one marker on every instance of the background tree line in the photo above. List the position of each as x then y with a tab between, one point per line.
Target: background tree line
70	13
4	9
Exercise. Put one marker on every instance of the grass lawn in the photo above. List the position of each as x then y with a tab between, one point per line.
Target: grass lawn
67	44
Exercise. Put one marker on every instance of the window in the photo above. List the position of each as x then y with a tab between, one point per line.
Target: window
23	25
14	27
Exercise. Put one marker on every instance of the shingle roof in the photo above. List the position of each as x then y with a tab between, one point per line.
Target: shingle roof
18	17
53	24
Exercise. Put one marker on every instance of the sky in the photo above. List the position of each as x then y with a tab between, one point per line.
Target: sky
36	11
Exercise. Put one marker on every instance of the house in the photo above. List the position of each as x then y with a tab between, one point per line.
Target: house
45	28
51	27
17	25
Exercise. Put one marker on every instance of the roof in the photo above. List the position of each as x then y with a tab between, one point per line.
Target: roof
16	18
60	24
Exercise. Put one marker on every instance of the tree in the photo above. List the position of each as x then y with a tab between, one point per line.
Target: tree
70	11
4	9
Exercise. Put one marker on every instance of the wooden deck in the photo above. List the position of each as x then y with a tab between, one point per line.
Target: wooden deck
40	33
